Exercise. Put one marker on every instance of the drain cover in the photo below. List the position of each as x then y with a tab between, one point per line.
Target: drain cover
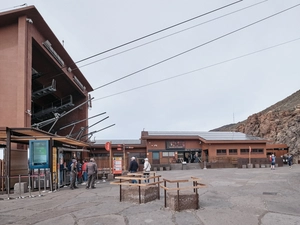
269	193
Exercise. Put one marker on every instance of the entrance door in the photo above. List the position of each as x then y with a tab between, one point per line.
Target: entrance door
155	158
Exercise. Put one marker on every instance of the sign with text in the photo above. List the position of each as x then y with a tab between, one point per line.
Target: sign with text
38	154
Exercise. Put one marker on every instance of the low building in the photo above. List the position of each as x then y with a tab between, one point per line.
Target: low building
196	149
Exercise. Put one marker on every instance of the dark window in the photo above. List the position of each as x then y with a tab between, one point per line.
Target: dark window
232	151
221	152
257	151
244	151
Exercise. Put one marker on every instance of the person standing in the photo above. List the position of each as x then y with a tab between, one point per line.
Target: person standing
84	173
273	160
290	160
73	174
91	169
147	168
79	172
133	167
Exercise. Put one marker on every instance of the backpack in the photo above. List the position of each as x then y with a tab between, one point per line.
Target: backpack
69	166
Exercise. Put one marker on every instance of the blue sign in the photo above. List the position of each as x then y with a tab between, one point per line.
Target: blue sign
38	154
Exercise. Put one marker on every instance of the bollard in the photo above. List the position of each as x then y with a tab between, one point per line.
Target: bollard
103	177
20	186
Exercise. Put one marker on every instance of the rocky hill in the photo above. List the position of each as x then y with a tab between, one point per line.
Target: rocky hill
279	123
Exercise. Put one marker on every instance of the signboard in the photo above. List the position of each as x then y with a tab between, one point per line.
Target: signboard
175	145
38	154
117	163
107	146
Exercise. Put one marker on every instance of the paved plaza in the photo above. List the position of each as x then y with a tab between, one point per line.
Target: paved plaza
232	196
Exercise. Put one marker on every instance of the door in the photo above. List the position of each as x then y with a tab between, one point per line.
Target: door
155	158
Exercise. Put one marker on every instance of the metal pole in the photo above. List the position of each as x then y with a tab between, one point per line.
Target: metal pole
29	186
51	188
165	191
8	187
120	190
178	197
39	180
139	192
45	180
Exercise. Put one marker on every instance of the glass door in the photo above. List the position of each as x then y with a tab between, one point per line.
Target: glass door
155	158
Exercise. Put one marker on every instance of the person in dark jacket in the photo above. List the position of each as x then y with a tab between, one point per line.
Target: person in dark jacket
133	167
73	173
91	169
290	160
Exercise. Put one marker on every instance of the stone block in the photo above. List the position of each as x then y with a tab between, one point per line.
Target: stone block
186	201
250	165
263	166
110	177
131	194
268	165
154	168
244	166
167	168
161	168
257	166
22	185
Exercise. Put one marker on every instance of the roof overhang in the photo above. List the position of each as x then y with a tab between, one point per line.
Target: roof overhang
24	135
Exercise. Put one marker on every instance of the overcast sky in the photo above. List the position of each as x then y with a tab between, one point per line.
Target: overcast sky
216	94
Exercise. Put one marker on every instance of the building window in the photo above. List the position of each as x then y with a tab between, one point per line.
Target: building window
232	151
221	152
244	151
257	151
168	154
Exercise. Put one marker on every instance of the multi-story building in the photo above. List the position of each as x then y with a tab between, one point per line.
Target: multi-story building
41	87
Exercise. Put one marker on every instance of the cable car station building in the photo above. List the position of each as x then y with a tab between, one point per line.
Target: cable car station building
41	92
178	150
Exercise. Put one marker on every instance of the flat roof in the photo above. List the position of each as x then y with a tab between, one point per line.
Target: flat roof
205	135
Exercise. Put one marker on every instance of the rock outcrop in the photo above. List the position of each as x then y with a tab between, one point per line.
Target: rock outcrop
279	123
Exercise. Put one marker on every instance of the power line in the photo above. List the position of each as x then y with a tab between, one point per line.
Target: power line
196	47
156	32
135	40
199	69
127	50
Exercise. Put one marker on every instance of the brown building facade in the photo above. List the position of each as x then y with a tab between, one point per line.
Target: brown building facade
196	149
41	87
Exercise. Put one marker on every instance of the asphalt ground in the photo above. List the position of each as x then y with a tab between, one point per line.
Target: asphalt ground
231	196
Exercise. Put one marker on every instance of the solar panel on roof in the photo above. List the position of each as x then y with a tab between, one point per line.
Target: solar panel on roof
208	135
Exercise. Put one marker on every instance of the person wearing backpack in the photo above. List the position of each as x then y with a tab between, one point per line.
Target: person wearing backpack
147	168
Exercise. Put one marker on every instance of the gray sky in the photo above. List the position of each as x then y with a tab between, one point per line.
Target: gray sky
200	101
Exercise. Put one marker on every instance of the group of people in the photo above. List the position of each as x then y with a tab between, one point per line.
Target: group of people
273	161
134	166
87	172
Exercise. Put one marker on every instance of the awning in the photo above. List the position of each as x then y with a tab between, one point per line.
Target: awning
24	135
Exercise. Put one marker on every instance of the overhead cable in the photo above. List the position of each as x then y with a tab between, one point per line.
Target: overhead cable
158	39
196	47
199	69
159	31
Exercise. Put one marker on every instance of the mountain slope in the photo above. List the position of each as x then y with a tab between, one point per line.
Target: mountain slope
279	123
